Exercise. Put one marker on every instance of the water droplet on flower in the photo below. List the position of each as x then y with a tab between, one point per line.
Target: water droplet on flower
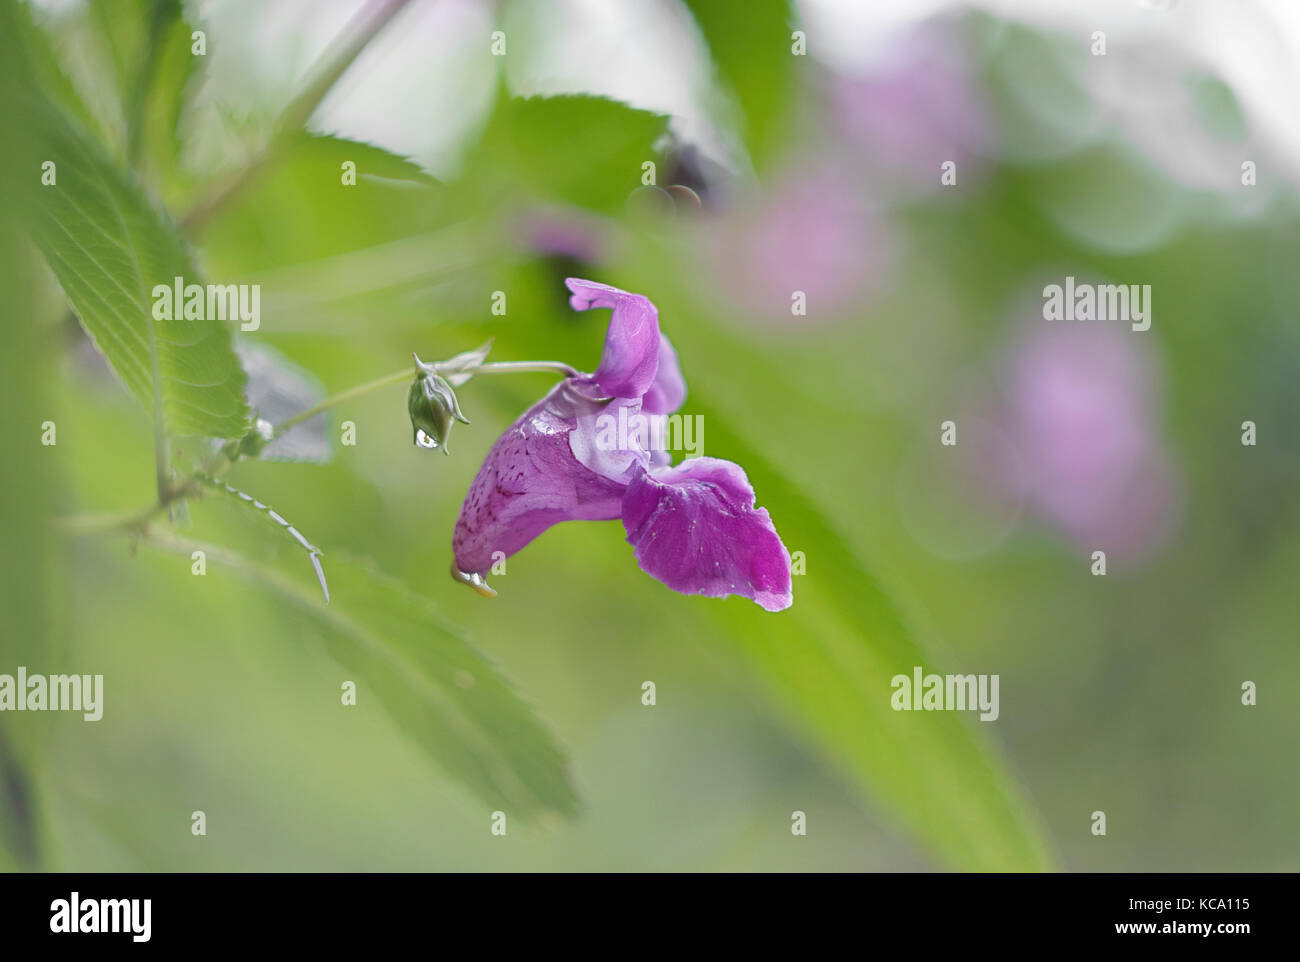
473	579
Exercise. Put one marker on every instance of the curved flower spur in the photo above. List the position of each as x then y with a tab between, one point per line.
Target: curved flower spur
693	526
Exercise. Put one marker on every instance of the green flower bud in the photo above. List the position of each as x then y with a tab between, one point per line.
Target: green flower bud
432	405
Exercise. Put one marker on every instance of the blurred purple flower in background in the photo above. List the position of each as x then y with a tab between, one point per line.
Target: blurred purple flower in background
564	232
918	108
1081	410
883	135
813	232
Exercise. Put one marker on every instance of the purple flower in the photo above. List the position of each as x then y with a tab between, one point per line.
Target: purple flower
562	232
813	232
917	109
694	526
1082	413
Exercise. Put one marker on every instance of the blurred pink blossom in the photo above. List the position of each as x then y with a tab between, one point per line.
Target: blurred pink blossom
568	232
918	108
812	232
1081	410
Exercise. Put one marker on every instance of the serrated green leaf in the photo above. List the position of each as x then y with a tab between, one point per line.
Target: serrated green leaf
485	734
330	151
582	150
298	208
442	692
108	246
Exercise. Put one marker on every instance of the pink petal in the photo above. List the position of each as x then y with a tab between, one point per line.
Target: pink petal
531	480
631	356
695	528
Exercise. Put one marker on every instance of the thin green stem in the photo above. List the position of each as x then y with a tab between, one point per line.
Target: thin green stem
519	367
89	524
397	377
81	525
218	464
332	65
406	374
335	61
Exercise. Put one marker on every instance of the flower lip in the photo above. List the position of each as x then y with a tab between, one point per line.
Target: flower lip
695	528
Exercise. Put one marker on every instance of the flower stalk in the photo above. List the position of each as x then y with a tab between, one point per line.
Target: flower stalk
456	370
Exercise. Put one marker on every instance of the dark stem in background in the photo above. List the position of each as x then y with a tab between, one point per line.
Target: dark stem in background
17	811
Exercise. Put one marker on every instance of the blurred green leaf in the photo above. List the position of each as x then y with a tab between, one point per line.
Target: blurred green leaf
441	691
35	49
161	97
829	660
30	564
17	812
750	44
372	162
299	209
147	45
584	150
108	246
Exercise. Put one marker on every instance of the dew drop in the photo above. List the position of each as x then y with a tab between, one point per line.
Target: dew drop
474	580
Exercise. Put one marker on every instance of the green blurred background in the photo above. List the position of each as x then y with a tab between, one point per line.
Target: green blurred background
816	172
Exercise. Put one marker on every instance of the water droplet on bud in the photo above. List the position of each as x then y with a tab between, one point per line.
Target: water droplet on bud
432	405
